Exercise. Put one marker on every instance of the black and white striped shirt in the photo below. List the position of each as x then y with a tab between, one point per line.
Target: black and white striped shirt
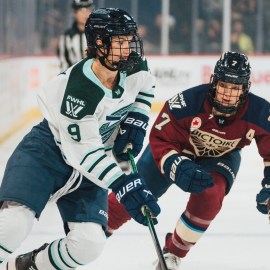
71	47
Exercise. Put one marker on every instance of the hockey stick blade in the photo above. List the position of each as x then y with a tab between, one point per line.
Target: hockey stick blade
149	219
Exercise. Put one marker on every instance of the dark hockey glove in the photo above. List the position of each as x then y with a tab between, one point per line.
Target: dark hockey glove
186	174
131	191
131	135
264	195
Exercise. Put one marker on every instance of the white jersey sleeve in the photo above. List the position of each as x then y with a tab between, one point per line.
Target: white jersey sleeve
143	80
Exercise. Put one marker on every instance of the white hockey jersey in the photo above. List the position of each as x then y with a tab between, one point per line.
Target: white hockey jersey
84	116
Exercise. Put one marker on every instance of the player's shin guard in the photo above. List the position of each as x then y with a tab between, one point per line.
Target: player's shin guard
16	223
83	244
201	210
118	215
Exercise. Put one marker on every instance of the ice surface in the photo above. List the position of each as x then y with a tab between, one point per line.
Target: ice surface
238	239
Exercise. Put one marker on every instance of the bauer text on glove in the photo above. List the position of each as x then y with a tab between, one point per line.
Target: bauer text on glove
131	191
186	174
132	132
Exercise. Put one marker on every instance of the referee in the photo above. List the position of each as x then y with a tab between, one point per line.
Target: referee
72	44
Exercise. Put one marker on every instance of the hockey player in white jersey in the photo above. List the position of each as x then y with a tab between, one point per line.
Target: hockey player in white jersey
94	108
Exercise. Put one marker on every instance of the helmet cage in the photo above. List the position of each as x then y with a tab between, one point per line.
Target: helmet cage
226	71
105	23
136	50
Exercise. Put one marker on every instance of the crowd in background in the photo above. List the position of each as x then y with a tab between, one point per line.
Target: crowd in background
30	27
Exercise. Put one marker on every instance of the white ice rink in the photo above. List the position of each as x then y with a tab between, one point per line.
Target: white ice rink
239	238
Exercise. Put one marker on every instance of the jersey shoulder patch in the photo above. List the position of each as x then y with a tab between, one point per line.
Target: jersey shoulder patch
81	96
189	102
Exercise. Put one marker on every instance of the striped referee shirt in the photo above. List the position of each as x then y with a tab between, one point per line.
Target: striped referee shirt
71	47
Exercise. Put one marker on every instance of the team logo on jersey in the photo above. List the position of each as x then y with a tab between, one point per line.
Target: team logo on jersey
209	145
74	106
177	102
195	123
112	121
117	92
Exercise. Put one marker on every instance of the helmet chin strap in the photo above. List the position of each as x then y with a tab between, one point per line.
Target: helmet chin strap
103	63
102	59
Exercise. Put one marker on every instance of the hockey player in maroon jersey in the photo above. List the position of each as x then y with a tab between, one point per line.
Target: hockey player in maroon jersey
195	144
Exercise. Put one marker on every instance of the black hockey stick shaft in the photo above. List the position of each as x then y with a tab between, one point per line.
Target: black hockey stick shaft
150	223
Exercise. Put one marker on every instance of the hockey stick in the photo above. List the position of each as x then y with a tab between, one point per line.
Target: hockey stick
149	219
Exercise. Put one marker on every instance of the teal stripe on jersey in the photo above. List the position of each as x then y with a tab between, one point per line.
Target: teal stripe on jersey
113	178
91	161
108	148
96	162
143	101
146	95
90	153
146	99
102	175
139	110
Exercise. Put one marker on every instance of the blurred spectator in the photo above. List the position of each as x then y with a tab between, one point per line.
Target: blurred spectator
72	44
240	41
246	12
209	26
148	46
213	36
155	34
180	35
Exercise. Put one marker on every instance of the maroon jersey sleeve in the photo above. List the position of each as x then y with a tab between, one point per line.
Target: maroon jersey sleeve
166	136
